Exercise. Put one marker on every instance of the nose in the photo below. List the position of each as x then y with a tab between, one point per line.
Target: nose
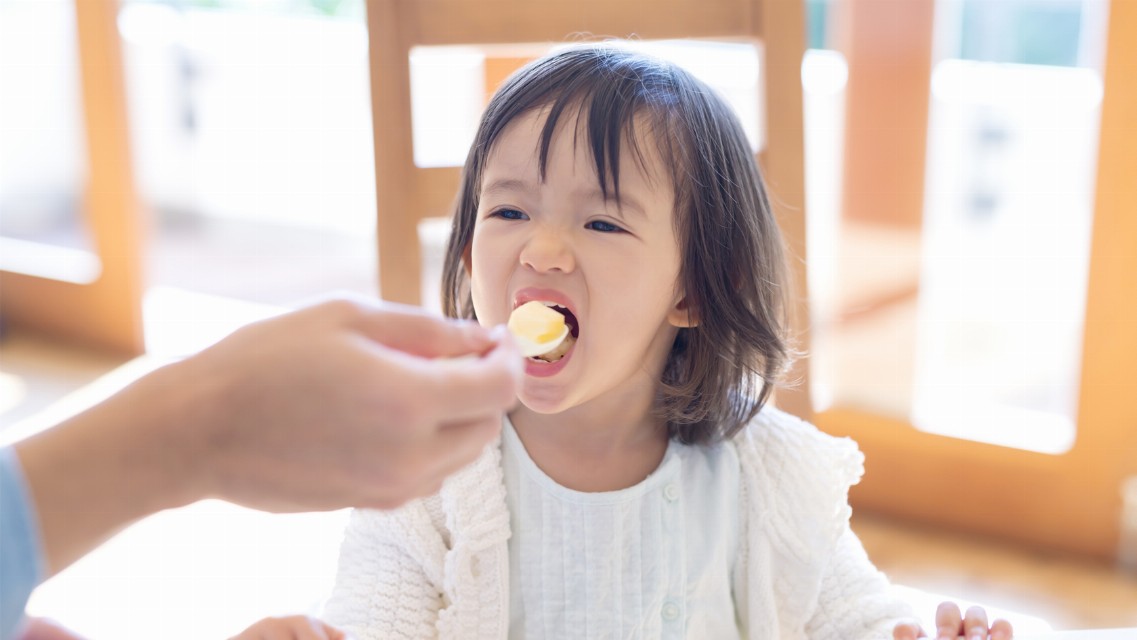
547	250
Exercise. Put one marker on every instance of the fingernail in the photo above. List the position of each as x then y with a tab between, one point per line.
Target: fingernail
999	634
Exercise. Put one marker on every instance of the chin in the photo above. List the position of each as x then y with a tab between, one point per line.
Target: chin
543	401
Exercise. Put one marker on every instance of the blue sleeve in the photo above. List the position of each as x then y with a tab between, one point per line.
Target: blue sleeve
21	557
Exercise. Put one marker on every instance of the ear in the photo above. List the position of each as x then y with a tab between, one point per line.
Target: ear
682	316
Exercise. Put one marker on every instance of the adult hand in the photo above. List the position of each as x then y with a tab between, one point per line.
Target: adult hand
345	403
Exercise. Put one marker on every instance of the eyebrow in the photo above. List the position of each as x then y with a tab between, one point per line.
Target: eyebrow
626	202
509	185
513	185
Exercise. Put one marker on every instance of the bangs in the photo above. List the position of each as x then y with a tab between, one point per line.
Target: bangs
610	101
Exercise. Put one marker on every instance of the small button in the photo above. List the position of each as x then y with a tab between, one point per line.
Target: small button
670	611
671	492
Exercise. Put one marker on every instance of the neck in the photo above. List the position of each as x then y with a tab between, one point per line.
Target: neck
606	444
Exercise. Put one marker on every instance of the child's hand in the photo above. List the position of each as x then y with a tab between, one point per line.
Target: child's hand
950	624
291	628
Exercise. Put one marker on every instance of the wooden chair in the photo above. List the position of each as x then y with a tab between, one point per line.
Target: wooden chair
101	308
406	194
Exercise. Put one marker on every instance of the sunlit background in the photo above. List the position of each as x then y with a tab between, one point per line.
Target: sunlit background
252	142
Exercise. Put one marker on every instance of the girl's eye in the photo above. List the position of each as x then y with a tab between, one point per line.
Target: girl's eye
509	214
603	226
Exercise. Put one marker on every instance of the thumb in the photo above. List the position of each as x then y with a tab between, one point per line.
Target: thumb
418	332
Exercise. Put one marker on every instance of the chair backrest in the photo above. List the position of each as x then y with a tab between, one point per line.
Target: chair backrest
442	22
406	193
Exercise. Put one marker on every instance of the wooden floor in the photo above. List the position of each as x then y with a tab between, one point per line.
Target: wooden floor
879	293
1067	592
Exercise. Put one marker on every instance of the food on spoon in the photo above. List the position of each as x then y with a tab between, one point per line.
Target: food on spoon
539	330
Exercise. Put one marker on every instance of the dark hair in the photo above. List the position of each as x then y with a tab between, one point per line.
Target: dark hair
720	373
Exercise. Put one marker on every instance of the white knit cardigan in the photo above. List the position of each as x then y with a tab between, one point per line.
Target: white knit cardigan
439	567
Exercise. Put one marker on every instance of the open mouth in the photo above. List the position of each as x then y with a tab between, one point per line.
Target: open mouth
574	332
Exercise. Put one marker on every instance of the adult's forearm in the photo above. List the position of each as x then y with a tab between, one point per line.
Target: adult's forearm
109	466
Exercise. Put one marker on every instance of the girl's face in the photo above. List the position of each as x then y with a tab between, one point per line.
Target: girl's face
559	241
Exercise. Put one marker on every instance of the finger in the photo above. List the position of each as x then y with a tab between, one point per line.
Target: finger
418	332
311	628
949	621
467	389
975	624
908	631
1001	630
461	443
323	631
458	445
270	628
430	488
248	634
506	353
454	447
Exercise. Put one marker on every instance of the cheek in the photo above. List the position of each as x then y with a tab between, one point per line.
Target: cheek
488	278
481	253
635	307
647	284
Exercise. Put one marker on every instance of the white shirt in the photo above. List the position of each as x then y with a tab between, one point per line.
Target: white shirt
654	560
439	567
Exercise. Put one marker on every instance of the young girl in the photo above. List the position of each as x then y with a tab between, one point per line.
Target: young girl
643	487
